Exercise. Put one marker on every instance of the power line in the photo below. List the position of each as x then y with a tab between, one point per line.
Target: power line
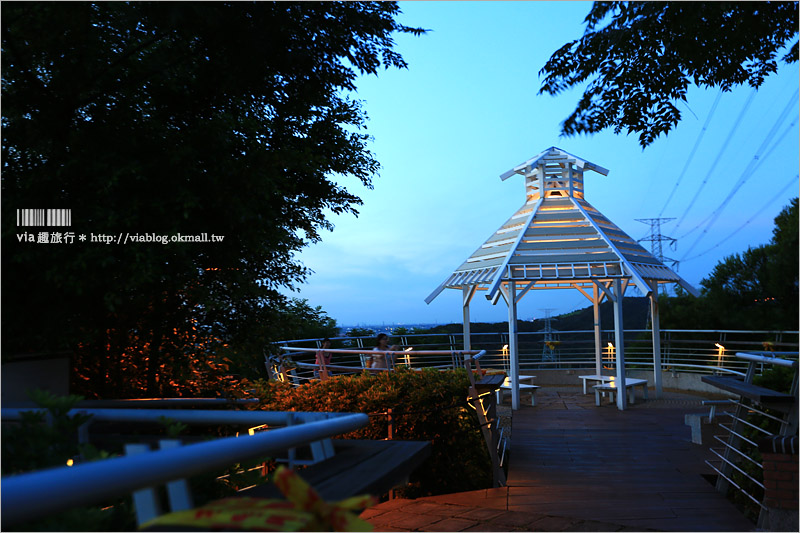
694	150
719	156
757	165
748	172
770	203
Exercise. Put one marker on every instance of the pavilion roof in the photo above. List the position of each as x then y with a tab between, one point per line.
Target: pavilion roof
557	239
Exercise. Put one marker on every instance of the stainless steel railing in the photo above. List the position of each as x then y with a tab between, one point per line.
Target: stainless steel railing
735	462
692	351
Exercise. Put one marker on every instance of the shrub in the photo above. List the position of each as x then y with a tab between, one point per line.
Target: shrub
427	405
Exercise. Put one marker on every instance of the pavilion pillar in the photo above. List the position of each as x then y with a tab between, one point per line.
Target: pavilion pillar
598	341
622	396
468	293
510	295
656	328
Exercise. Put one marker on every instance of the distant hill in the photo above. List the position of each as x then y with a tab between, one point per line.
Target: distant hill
634	314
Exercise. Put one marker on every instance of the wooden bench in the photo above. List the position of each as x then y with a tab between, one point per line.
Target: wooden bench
359	467
523	387
595	377
611	387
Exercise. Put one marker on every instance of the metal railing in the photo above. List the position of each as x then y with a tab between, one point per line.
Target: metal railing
736	461
38	494
304	371
692	351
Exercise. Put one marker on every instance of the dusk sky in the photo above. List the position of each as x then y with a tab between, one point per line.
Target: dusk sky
467	109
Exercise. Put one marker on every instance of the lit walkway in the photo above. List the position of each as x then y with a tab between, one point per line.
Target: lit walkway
577	467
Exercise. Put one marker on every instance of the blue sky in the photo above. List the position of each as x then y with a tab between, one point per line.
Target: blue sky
467	109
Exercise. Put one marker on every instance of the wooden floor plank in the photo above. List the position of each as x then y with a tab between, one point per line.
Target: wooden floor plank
636	467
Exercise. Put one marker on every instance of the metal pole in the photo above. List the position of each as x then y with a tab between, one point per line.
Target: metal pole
622	391
598	342
656	339
512	343
468	292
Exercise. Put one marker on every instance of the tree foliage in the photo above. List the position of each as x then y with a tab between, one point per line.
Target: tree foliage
429	405
640	57
757	289
143	118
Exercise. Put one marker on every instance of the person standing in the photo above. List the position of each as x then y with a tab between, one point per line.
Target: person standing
323	360
382	359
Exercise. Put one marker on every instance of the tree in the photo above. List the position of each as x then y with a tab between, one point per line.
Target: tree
153	120
757	289
640	57
360	332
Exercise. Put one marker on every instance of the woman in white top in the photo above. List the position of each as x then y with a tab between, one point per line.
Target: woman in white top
381	360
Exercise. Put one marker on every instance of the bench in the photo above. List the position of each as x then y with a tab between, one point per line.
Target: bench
595	377
611	388
696	421
523	387
359	467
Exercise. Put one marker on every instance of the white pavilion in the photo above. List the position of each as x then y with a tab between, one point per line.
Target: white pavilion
557	240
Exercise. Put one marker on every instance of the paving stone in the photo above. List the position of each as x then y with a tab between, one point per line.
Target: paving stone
388	528
439	509
450	524
516	519
488	526
404	520
372	513
593	525
480	513
397	503
553	523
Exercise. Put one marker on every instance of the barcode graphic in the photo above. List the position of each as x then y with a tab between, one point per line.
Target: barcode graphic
44	217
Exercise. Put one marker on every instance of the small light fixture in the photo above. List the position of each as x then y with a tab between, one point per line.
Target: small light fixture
720	353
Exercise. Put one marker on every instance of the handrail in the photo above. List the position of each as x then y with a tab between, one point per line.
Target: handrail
373	350
167	402
36	494
337	367
758	357
542	332
692	351
188	416
476	357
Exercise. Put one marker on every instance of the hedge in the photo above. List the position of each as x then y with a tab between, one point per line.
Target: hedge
427	405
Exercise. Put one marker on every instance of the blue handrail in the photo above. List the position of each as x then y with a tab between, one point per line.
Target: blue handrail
37	494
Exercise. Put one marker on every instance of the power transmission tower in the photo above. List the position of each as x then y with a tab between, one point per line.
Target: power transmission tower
656	238
549	352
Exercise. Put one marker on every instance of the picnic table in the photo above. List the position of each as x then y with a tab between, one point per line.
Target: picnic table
611	388
523	387
595	377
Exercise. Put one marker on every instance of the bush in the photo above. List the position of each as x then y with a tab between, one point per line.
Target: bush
427	405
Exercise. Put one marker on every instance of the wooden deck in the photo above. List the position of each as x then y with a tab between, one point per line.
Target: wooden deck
577	467
636	468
